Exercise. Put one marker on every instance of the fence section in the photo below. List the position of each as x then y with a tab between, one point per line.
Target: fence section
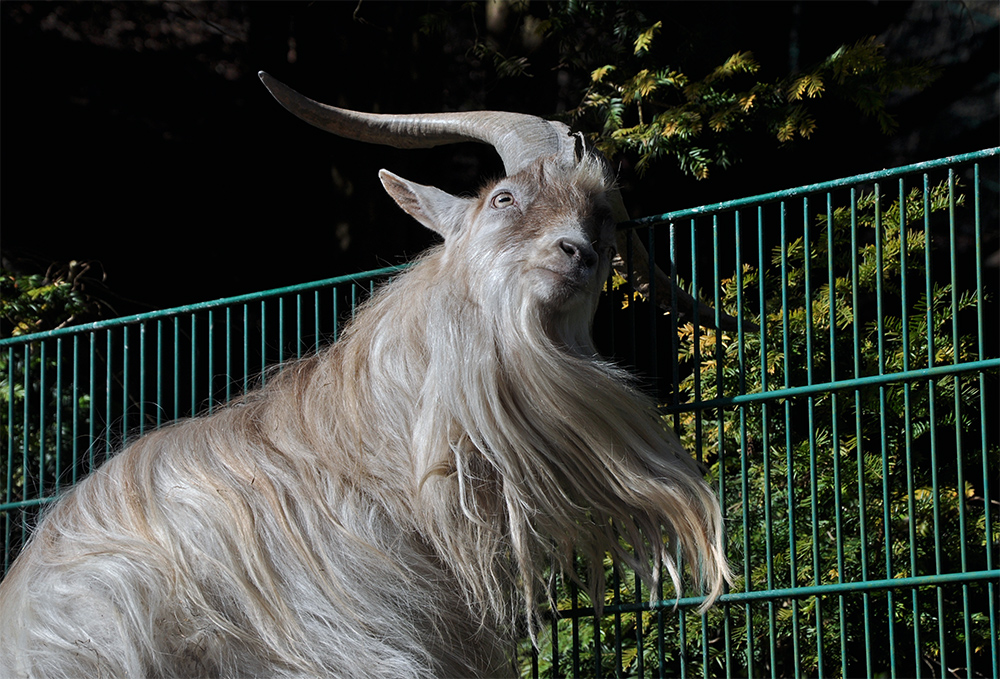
847	418
72	397
849	421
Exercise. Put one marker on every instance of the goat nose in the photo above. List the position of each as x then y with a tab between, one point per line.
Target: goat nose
582	253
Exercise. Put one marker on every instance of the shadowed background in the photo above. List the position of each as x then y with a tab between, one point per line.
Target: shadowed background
137	137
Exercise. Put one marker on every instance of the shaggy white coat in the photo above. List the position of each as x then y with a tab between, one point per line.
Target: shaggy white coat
390	506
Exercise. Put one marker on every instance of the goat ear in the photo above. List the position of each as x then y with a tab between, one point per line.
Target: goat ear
438	210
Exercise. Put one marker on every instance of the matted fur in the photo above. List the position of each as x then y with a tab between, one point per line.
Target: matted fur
389	506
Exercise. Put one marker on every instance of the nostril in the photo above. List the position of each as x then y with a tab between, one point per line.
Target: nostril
584	254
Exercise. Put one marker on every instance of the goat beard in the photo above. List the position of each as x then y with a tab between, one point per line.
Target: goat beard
530	449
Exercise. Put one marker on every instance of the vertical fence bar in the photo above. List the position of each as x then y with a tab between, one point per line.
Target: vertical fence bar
789	447
720	432
835	431
263	342
959	456
766	450
862	499
908	424
210	360
639	630
229	353
574	597
298	325
932	424
76	406
316	326
554	631
194	366
718	372
744	445
142	378
674	357
281	330
59	413
696	342
108	394
246	347
43	361
614	634
336	314
682	642
811	407
991	585
91	390
883	419
26	424
698	431
125	382
9	493
661	620
176	367
159	373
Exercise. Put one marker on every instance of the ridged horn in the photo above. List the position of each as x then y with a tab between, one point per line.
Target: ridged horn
518	138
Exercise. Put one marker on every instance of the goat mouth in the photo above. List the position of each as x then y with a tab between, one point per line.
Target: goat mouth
572	280
561	287
577	275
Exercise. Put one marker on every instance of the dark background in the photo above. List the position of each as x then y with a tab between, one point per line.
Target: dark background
138	136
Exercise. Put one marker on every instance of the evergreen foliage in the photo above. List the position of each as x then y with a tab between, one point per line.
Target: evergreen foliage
641	103
35	302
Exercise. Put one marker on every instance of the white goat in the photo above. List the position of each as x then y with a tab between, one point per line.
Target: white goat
390	506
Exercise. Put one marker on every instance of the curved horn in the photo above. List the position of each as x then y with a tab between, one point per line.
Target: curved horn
520	139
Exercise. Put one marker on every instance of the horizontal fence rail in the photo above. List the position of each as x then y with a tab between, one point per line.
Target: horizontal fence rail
848	421
73	396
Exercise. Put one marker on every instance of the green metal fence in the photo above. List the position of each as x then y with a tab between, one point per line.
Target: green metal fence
849	423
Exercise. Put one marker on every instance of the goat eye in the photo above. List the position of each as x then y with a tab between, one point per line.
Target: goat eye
502	199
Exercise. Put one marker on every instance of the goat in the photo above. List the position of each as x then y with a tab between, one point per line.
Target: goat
389	506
